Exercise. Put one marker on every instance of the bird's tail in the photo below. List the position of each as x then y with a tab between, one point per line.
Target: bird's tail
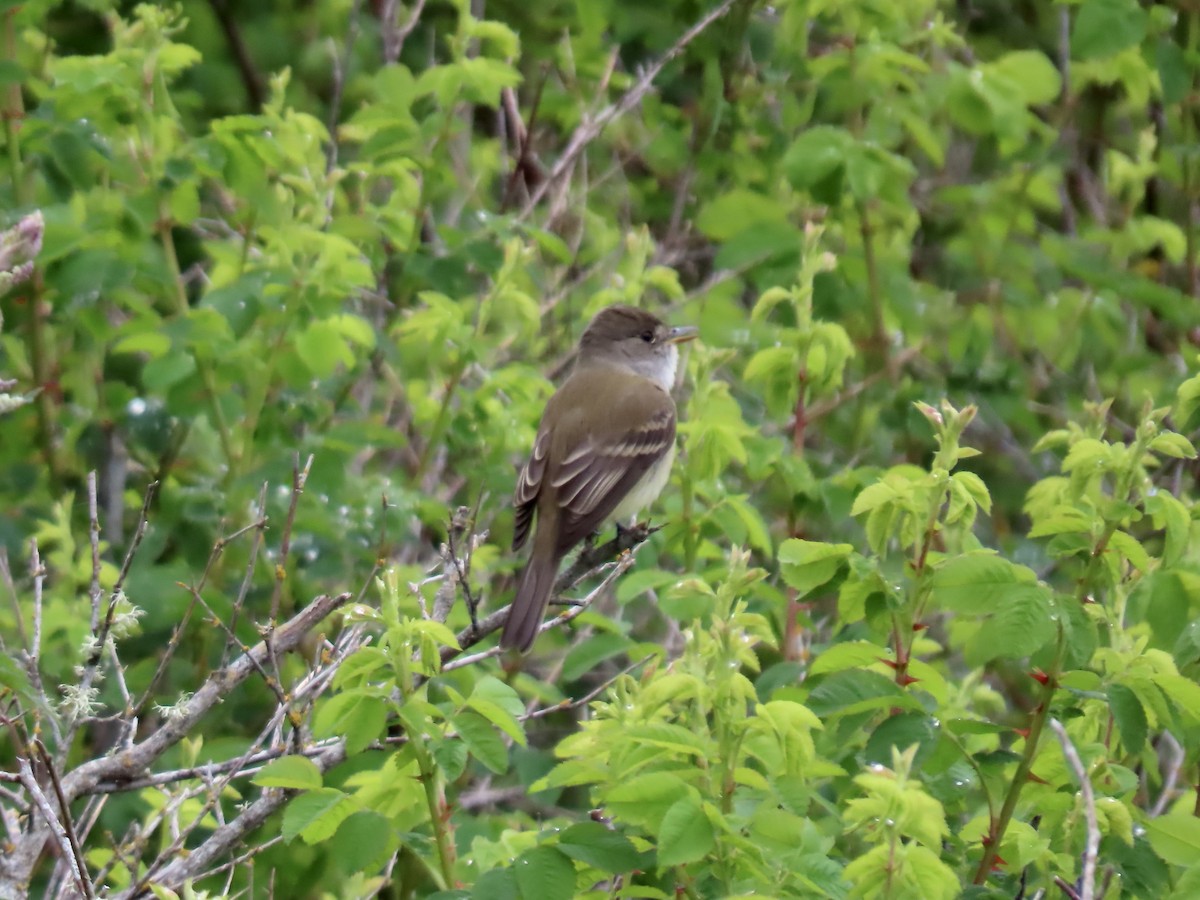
533	595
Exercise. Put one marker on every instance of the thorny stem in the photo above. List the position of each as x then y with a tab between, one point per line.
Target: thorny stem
1041	714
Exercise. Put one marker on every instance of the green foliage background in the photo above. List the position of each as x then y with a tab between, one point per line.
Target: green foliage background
288	229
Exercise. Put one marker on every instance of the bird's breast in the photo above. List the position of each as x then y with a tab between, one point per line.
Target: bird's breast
647	489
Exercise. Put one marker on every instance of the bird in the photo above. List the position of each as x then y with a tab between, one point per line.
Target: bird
603	451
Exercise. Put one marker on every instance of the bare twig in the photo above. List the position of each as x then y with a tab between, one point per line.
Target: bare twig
470	636
299	479
90	667
395	34
56	826
1087	888
230	835
591	128
340	66
1171	776
216	687
78	866
251	78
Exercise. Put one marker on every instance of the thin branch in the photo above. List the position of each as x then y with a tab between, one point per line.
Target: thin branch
1171	777
590	129
395	34
225	838
61	836
251	78
498	618
1087	889
340	66
91	666
78	866
215	689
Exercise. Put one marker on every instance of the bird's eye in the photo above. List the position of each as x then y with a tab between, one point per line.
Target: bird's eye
648	336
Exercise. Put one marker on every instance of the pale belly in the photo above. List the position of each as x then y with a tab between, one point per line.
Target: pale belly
645	491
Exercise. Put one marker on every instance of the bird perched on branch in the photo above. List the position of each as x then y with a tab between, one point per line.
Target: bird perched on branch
603	450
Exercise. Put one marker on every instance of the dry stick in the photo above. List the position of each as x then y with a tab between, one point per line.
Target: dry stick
498	618
1092	847
251	563
94	541
1174	767
251	78
313	684
215	689
335	102
299	479
395	35
195	591
589	561
61	835
590	695
92	665
33	657
242	766
78	865
591	129
226	837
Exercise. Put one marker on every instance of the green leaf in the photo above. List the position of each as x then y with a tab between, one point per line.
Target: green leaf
499	704
159	375
481	739
316	815
1103	28
1127	712
323	349
809	564
153	343
1171	444
586	655
850	692
817	158
1032	72
1175	520
1175	837
981	582
643	799
597	846
1129	548
848	655
724	216
1183	693
1187	398
363	842
546	874
1021	623
292	772
496	884
685	834
359	717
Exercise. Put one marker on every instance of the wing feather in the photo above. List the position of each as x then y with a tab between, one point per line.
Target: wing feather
529	484
599	473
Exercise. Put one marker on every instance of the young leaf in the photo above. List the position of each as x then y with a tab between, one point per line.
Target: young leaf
292	772
544	872
809	564
685	834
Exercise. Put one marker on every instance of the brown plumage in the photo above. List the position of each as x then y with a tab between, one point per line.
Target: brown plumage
603	450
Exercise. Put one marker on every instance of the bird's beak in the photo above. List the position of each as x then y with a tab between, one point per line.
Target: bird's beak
682	333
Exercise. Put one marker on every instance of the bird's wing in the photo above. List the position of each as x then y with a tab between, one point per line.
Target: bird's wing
595	468
528	484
